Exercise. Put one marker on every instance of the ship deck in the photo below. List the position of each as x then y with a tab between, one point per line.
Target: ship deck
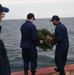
69	69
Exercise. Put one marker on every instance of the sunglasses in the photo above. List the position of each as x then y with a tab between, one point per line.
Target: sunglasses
2	14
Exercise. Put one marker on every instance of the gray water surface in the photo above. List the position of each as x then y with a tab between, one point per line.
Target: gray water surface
11	37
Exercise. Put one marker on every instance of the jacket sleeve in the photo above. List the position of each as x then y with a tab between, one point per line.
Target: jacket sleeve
1	58
34	35
58	35
4	62
0	28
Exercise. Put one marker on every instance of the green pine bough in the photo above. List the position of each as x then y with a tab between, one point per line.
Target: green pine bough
47	44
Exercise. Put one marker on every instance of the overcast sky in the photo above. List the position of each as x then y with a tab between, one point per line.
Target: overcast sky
41	8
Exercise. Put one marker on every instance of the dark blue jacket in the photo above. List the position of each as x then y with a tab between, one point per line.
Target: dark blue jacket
0	29
29	36
4	62
61	36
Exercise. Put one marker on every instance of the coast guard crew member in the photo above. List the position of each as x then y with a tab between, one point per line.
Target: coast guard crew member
29	40
61	39
4	62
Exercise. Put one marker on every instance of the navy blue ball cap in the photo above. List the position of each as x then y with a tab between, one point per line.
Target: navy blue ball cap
3	9
30	15
55	17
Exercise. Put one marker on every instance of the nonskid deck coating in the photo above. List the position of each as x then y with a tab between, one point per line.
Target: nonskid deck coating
69	69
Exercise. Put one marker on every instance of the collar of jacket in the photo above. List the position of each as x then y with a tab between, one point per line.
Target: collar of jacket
59	23
28	21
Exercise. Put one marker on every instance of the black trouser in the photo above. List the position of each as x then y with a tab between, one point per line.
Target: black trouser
61	58
30	55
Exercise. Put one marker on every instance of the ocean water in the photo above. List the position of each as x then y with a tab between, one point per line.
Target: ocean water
11	37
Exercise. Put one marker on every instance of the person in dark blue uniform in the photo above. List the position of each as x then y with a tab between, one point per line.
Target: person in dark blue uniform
62	44
29	40
4	62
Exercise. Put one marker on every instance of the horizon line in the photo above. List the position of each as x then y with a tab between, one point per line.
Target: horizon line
36	18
